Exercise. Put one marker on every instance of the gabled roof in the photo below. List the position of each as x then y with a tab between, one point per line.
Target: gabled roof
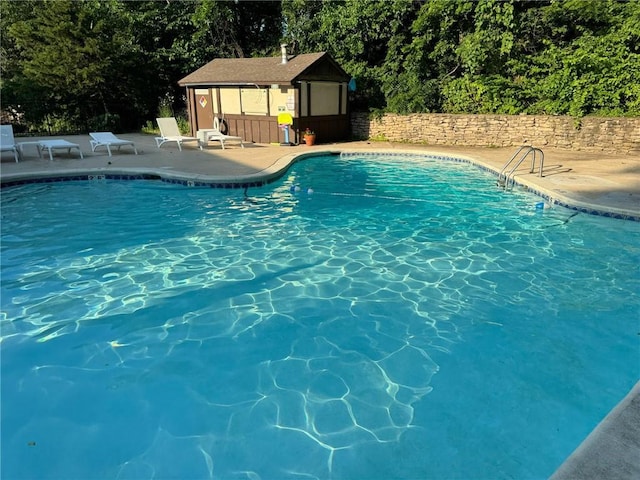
266	70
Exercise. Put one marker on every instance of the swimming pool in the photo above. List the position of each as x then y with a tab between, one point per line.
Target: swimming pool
403	319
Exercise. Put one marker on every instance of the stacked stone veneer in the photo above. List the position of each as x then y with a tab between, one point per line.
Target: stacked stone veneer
621	135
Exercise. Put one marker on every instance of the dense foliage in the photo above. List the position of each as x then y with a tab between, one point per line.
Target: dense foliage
574	57
113	64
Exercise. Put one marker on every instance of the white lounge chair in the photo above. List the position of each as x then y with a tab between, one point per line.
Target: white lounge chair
57	144
108	139
215	134
170	132
7	142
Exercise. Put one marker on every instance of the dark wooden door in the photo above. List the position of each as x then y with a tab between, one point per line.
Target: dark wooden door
204	110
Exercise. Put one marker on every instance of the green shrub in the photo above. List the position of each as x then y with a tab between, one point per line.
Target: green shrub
109	122
150	129
165	110
183	125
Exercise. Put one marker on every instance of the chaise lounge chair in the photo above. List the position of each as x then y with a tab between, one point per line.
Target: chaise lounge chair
215	134
170	132
57	144
108	139
7	142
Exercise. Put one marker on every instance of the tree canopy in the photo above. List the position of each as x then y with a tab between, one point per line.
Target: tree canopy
112	64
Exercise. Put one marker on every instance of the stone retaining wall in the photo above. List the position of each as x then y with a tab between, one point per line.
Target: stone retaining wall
595	134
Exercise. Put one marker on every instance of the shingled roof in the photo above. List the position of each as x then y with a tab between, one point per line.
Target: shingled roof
266	70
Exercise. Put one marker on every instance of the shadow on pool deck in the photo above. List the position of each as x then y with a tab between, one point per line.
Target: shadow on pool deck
603	182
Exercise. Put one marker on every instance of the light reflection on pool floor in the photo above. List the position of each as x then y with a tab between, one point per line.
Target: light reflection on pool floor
403	321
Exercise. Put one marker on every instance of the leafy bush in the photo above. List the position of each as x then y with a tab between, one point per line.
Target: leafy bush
109	122
56	124
183	125
150	128
165	110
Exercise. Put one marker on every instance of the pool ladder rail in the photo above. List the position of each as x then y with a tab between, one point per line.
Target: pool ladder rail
506	176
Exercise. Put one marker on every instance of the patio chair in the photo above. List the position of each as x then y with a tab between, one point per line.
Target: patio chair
108	139
216	135
7	142
170	132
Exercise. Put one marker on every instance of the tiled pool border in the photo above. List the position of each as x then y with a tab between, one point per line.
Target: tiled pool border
111	176
238	184
544	195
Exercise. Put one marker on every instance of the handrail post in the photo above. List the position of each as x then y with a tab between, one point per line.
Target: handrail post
541	162
533	160
506	165
504	177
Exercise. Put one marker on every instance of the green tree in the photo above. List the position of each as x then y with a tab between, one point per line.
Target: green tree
481	82
590	62
359	34
81	64
55	59
429	56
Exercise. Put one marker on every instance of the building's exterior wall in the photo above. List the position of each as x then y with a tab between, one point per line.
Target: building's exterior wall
230	101
282	100
325	99
588	133
303	111
344	99
252	112
254	101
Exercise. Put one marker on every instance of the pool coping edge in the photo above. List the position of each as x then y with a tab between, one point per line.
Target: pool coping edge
282	164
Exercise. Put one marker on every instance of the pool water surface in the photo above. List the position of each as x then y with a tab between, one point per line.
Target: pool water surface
362	317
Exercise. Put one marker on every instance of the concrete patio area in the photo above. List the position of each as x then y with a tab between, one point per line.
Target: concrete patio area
608	183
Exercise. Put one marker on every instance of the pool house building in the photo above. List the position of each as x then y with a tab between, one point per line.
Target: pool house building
252	96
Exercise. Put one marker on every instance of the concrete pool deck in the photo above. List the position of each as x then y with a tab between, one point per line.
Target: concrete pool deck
612	449
606	183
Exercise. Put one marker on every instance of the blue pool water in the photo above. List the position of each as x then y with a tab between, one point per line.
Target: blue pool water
404	320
